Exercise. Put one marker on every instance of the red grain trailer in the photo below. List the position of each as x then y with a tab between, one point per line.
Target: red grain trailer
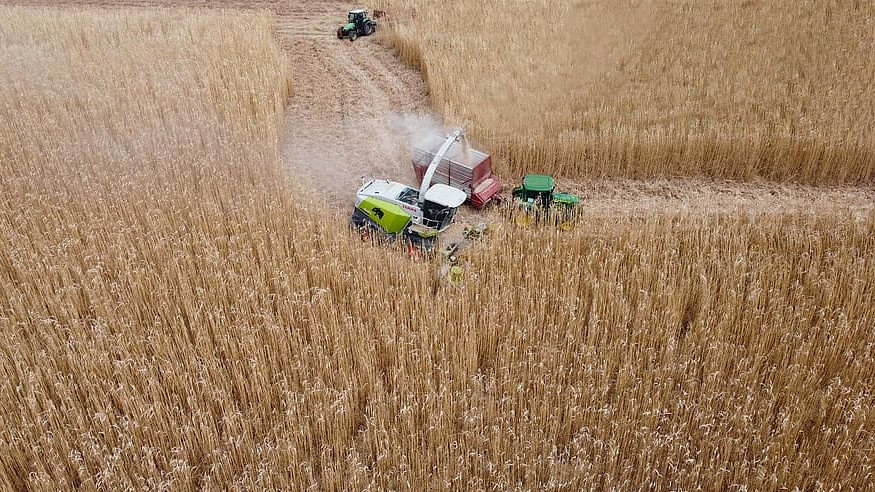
461	167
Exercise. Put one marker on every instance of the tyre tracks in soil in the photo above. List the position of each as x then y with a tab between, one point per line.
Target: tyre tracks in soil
345	119
350	100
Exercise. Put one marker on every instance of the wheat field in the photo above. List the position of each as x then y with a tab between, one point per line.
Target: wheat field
175	314
740	89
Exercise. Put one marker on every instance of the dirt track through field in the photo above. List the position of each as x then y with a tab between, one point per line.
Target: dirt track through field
355	108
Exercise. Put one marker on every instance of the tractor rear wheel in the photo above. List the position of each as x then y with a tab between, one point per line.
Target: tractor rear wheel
369	29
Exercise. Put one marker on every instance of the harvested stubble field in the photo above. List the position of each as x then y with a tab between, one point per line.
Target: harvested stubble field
175	313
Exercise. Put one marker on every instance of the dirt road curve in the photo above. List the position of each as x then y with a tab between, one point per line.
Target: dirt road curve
355	107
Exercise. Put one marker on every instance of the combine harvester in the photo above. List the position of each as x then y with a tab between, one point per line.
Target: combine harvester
451	173
393	210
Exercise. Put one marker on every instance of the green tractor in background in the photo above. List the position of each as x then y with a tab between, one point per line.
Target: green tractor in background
359	23
537	201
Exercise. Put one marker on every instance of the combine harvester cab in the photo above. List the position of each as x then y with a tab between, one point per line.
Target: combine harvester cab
435	210
394	211
461	167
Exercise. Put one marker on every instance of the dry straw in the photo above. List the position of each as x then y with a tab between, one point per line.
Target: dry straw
173	316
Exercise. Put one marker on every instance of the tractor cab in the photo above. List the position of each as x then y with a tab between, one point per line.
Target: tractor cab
535	191
359	23
357	17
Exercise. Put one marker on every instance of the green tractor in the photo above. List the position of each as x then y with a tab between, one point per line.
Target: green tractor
537	200
359	23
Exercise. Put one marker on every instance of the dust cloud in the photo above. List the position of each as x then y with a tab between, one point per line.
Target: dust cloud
354	115
333	158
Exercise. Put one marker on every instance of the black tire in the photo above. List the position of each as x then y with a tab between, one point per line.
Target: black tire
352	35
369	29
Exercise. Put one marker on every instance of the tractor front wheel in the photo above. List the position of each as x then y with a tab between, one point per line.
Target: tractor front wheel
352	35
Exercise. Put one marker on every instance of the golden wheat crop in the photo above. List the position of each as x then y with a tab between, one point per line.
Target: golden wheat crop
173	315
731	89
81	88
